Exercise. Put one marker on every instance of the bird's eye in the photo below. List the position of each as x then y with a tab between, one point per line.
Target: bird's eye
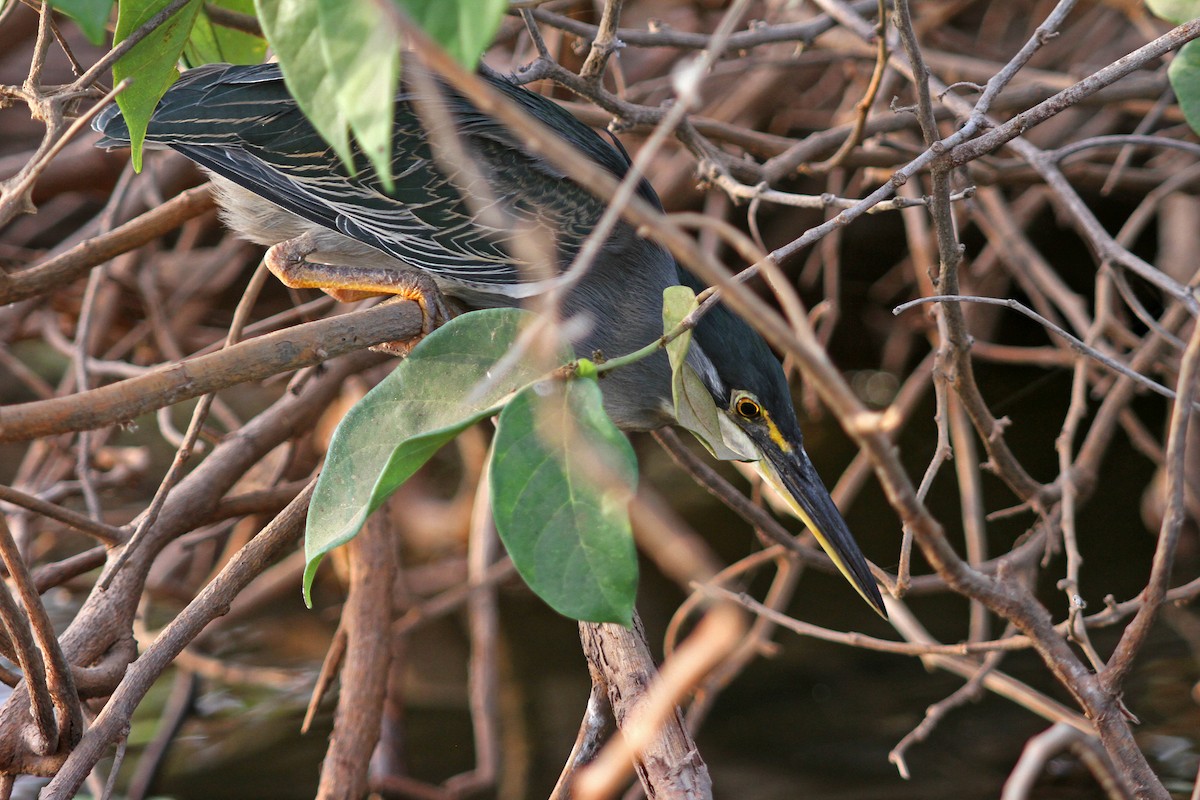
747	407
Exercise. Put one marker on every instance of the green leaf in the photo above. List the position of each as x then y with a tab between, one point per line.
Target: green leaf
449	380
362	51
1176	12
464	28
1184	74
341	61
561	479
695	410
294	31
212	43
150	63
91	15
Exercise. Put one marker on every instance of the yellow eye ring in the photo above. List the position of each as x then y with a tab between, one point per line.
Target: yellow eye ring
747	407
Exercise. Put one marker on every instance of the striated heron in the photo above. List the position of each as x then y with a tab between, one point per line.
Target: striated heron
279	184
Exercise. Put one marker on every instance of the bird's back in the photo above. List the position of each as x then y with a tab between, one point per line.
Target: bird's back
241	124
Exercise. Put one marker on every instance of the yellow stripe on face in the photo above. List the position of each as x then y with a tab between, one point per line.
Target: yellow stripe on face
780	442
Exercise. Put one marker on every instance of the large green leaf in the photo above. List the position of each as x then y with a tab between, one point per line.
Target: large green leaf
1184	74
561	479
150	64
362	53
211	43
341	61
91	16
464	28
1176	12
695	410
295	31
450	380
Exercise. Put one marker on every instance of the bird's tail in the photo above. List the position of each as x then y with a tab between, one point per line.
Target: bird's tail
111	125
178	119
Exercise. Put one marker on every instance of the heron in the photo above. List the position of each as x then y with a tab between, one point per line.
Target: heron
443	227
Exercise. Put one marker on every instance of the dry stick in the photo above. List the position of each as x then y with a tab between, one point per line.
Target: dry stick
973	126
107	534
1068	480
968	692
994	681
954	350
1020	124
50	575
60	270
1028	265
757	642
366	617
655	739
594	728
860	640
1121	661
174	714
863	107
956	150
250	361
80	351
687	86
58	672
103	622
330	666
970	485
273	540
483	623
88	78
1076	344
15	192
802	32
1092	230
199	414
1088	226
1148	122
925	269
1024	611
604	43
40	705
1043	747
1011	601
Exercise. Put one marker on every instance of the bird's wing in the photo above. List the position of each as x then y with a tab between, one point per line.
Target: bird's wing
241	123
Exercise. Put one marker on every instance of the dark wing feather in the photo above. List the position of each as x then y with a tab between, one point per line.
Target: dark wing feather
241	123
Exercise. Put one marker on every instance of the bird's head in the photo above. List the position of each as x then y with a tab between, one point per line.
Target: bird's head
758	420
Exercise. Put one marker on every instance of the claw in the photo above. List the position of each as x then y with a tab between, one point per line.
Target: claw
290	262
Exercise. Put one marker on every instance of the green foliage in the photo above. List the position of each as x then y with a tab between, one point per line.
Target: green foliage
149	64
435	393
1176	12
694	406
561	472
561	477
211	43
463	27
341	61
340	58
1184	72
90	15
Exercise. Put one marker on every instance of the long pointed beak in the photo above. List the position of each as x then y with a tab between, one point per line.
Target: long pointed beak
796	480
